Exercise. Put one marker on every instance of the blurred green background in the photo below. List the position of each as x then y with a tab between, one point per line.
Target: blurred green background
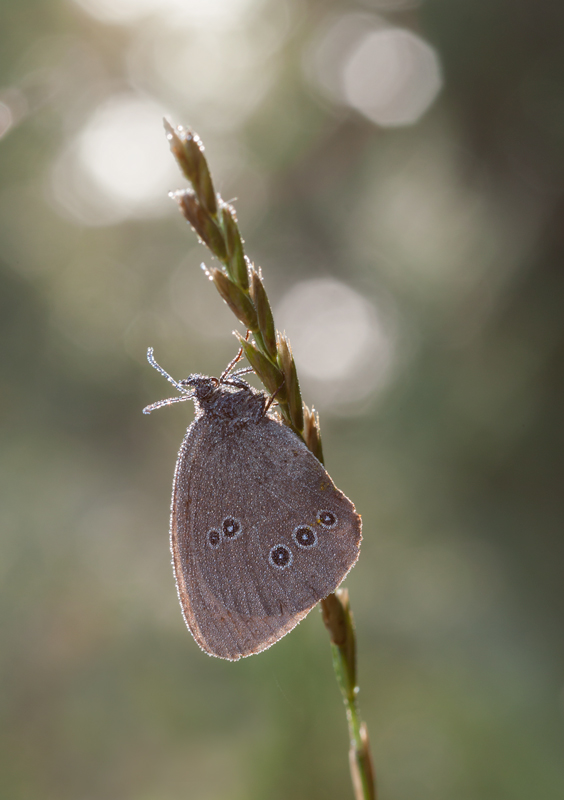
398	169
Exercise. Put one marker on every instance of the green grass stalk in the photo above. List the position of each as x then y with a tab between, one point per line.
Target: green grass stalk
270	355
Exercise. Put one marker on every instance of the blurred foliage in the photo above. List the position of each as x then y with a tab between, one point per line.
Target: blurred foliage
456	465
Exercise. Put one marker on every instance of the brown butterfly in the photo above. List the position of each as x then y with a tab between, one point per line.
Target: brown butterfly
259	533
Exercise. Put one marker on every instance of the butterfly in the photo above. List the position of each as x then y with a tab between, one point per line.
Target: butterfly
259	533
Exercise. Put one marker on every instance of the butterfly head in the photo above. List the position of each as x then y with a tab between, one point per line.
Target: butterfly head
229	396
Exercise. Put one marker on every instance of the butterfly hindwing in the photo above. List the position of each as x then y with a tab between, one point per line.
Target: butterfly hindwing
259	533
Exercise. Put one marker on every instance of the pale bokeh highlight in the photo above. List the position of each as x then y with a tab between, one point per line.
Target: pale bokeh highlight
127	12
388	74
116	167
342	343
392	77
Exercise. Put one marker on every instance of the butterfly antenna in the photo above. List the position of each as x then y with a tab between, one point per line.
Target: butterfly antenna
168	402
153	363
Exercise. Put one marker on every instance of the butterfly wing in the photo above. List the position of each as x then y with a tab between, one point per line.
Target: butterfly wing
259	534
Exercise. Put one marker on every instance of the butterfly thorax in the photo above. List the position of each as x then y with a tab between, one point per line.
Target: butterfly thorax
229	403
